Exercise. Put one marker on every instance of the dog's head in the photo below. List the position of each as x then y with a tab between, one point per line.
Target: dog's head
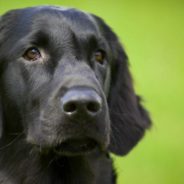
65	83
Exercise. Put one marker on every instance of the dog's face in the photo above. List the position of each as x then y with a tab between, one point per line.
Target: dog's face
65	84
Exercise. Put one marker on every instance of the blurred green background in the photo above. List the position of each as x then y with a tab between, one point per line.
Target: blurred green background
152	32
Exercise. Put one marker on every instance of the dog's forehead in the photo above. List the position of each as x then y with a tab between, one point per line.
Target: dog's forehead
55	23
52	16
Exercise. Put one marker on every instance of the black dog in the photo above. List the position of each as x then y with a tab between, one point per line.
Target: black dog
66	98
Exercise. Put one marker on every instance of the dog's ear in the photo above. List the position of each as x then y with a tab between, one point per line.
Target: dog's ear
129	119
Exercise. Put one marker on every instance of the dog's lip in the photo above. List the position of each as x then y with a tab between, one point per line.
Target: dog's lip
79	146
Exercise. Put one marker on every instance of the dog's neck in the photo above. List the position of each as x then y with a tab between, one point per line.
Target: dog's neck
46	169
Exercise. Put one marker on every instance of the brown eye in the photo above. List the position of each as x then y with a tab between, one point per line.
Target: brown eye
32	54
100	56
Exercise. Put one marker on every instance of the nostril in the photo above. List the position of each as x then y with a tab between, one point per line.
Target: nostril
69	107
81	102
93	107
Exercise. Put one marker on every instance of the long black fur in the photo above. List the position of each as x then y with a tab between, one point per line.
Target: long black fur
31	120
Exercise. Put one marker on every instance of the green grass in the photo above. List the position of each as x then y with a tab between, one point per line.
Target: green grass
153	35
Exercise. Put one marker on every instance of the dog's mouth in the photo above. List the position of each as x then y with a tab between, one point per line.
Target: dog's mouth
74	147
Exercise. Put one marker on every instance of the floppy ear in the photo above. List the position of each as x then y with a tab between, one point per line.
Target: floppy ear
128	117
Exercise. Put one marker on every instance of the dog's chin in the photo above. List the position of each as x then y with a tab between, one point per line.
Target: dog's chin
76	147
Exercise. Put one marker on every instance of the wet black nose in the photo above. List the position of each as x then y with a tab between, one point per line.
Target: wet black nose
81	102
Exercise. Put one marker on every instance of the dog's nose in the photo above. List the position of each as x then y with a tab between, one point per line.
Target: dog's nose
79	101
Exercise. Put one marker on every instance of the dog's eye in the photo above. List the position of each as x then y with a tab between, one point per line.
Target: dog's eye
32	54
100	56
